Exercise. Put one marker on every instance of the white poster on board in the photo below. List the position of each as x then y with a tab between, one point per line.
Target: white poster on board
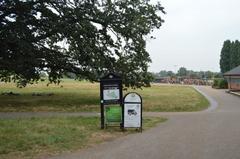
132	115
111	94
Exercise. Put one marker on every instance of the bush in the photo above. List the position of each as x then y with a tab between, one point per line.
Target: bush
215	83
220	83
223	84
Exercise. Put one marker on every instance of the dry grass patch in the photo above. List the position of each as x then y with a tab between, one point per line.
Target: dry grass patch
76	96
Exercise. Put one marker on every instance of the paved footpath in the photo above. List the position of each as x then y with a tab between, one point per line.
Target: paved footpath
211	134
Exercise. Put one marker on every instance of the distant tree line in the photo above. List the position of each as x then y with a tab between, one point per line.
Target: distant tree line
230	55
183	72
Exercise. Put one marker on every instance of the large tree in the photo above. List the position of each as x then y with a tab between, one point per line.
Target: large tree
86	37
234	54
225	56
230	55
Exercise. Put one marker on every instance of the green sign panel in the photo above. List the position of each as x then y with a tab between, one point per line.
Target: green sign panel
113	114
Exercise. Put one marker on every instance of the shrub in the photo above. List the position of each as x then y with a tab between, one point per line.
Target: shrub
215	83
220	83
223	84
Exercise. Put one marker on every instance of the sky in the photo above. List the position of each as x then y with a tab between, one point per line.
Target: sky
193	34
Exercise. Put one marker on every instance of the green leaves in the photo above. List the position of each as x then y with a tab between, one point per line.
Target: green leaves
87	38
230	55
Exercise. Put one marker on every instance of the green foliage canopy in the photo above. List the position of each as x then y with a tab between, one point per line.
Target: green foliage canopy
182	71
230	55
86	37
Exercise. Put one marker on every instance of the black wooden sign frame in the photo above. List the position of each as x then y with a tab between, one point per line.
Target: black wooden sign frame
110	82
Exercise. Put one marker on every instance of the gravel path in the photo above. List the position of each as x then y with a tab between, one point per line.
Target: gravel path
210	134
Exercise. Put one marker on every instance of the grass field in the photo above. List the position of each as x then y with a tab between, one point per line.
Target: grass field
35	137
28	138
76	96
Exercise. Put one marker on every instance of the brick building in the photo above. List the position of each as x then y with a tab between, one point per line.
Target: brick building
233	78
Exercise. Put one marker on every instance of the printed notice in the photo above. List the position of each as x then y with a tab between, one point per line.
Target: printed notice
111	94
132	115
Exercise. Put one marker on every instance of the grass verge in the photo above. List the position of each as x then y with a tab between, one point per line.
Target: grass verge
35	137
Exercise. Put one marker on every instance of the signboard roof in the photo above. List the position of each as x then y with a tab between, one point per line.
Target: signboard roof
111	76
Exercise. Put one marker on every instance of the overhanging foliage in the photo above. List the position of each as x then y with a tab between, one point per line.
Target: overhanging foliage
86	37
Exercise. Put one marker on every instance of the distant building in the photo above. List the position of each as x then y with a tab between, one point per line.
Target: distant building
233	78
182	80
162	80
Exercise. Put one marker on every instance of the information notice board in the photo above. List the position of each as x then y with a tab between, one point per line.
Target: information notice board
111	100
132	111
113	114
132	115
111	92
